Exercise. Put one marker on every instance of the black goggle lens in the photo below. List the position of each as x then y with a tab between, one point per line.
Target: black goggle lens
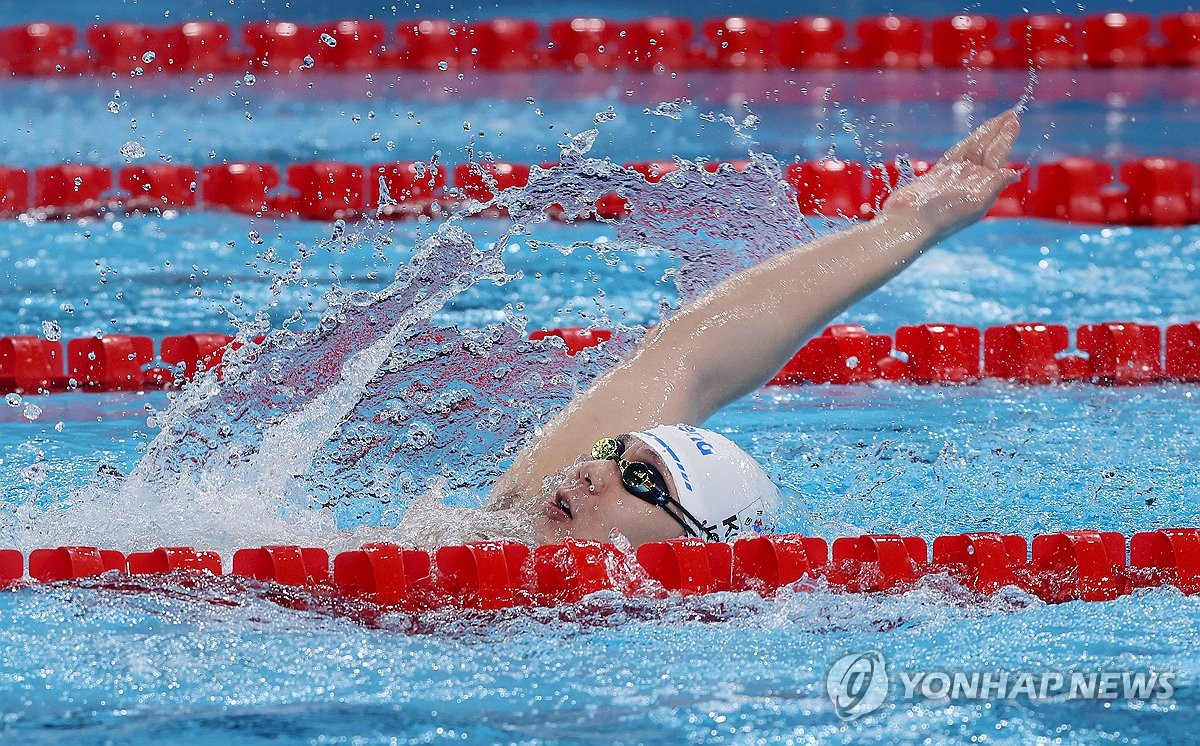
607	449
639	478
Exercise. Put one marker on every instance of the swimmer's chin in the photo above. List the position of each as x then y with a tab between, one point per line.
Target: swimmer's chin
550	530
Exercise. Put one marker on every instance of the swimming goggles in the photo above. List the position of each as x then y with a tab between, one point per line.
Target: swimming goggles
644	482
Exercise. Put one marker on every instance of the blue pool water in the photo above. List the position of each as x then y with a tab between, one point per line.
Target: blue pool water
114	661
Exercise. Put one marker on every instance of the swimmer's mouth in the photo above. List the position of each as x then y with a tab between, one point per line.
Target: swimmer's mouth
564	506
559	508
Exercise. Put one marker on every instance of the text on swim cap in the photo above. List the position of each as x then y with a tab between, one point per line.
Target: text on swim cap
703	446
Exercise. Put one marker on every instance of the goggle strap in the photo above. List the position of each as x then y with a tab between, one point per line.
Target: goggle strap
699	527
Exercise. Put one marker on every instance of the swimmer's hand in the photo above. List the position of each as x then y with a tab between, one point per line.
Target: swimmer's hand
962	186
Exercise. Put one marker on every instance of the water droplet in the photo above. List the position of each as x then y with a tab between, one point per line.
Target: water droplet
51	331
36	472
607	115
443	66
328	40
148	57
133	150
114	107
32	412
14	400
308	62
249	78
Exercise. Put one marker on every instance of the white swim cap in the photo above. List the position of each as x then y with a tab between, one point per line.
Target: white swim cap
721	485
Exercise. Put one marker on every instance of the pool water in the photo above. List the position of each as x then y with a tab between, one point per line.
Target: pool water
114	660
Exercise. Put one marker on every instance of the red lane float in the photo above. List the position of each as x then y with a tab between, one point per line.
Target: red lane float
1074	565
386	574
71	563
1183	352
39	49
688	566
1025	353
30	365
325	190
286	565
830	188
741	43
70	189
984	562
843	353
14	191
357	45
481	181
584	43
504	44
1045	41
567	572
1122	353
1117	40
939	353
114	362
1169	556
1151	191
891	42
1181	32
814	42
238	187
878	562
160	185
1112	353
173	559
576	338
12	567
192	352
966	41
433	45
1161	191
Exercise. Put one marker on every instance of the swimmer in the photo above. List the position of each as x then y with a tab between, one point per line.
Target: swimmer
628	455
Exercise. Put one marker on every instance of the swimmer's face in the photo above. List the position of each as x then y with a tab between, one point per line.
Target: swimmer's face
591	503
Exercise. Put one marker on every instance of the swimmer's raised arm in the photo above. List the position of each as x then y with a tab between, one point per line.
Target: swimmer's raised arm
733	339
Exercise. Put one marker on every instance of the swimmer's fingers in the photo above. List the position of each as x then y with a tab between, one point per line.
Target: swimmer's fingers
996	153
990	143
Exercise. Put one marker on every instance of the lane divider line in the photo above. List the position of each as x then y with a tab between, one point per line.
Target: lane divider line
1075	565
888	42
1148	191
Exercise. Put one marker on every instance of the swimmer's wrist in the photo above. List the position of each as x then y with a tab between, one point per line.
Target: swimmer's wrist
904	233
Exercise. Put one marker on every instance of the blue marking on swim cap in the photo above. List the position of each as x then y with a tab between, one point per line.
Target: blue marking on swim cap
703	446
682	470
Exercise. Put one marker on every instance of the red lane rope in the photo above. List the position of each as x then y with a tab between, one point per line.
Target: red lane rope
1101	40
1110	353
1150	191
1077	565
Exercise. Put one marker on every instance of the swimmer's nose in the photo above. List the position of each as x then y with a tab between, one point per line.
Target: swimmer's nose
594	476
